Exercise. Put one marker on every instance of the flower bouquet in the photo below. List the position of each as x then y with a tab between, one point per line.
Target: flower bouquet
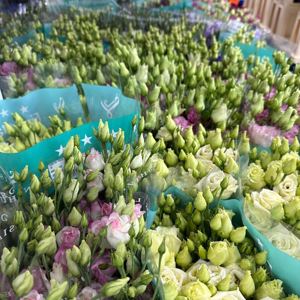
203	254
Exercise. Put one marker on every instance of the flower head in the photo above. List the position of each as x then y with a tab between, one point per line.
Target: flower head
182	122
94	161
102	269
68	237
33	295
262	135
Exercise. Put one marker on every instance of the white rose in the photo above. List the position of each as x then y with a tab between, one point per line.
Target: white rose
230	295
205	152
288	187
94	161
213	181
208	165
284	240
176	275
216	273
220	113
117	229
137	162
266	199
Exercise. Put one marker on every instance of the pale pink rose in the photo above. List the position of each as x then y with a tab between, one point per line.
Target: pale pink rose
117	229
182	122
102	269
68	237
61	82
87	293
97	225
33	295
262	135
95	161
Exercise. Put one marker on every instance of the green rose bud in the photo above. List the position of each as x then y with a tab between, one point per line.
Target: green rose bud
231	167
23	236
202	252
261	258
224	284
246	264
68	151
171	158
71	192
85	253
244	147
214	138
208	195
73	291
35	184
57	291
247	285
113	288
277	212
295	146
274	173
272	289
74	217
216	222
154	94
190	162
238	235
73	268
9	263
183	258
200	202
47	246
217	253
23	284
289	163
203	273
260	276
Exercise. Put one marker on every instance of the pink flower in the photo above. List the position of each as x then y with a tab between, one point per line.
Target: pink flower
137	212
33	295
87	293
182	122
9	67
97	225
41	283
102	269
60	258
262	135
94	161
193	116
263	116
292	133
106	208
95	211
68	237
271	94
117	229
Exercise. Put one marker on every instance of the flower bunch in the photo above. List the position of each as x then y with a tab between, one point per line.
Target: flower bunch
206	256
271	189
24	133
